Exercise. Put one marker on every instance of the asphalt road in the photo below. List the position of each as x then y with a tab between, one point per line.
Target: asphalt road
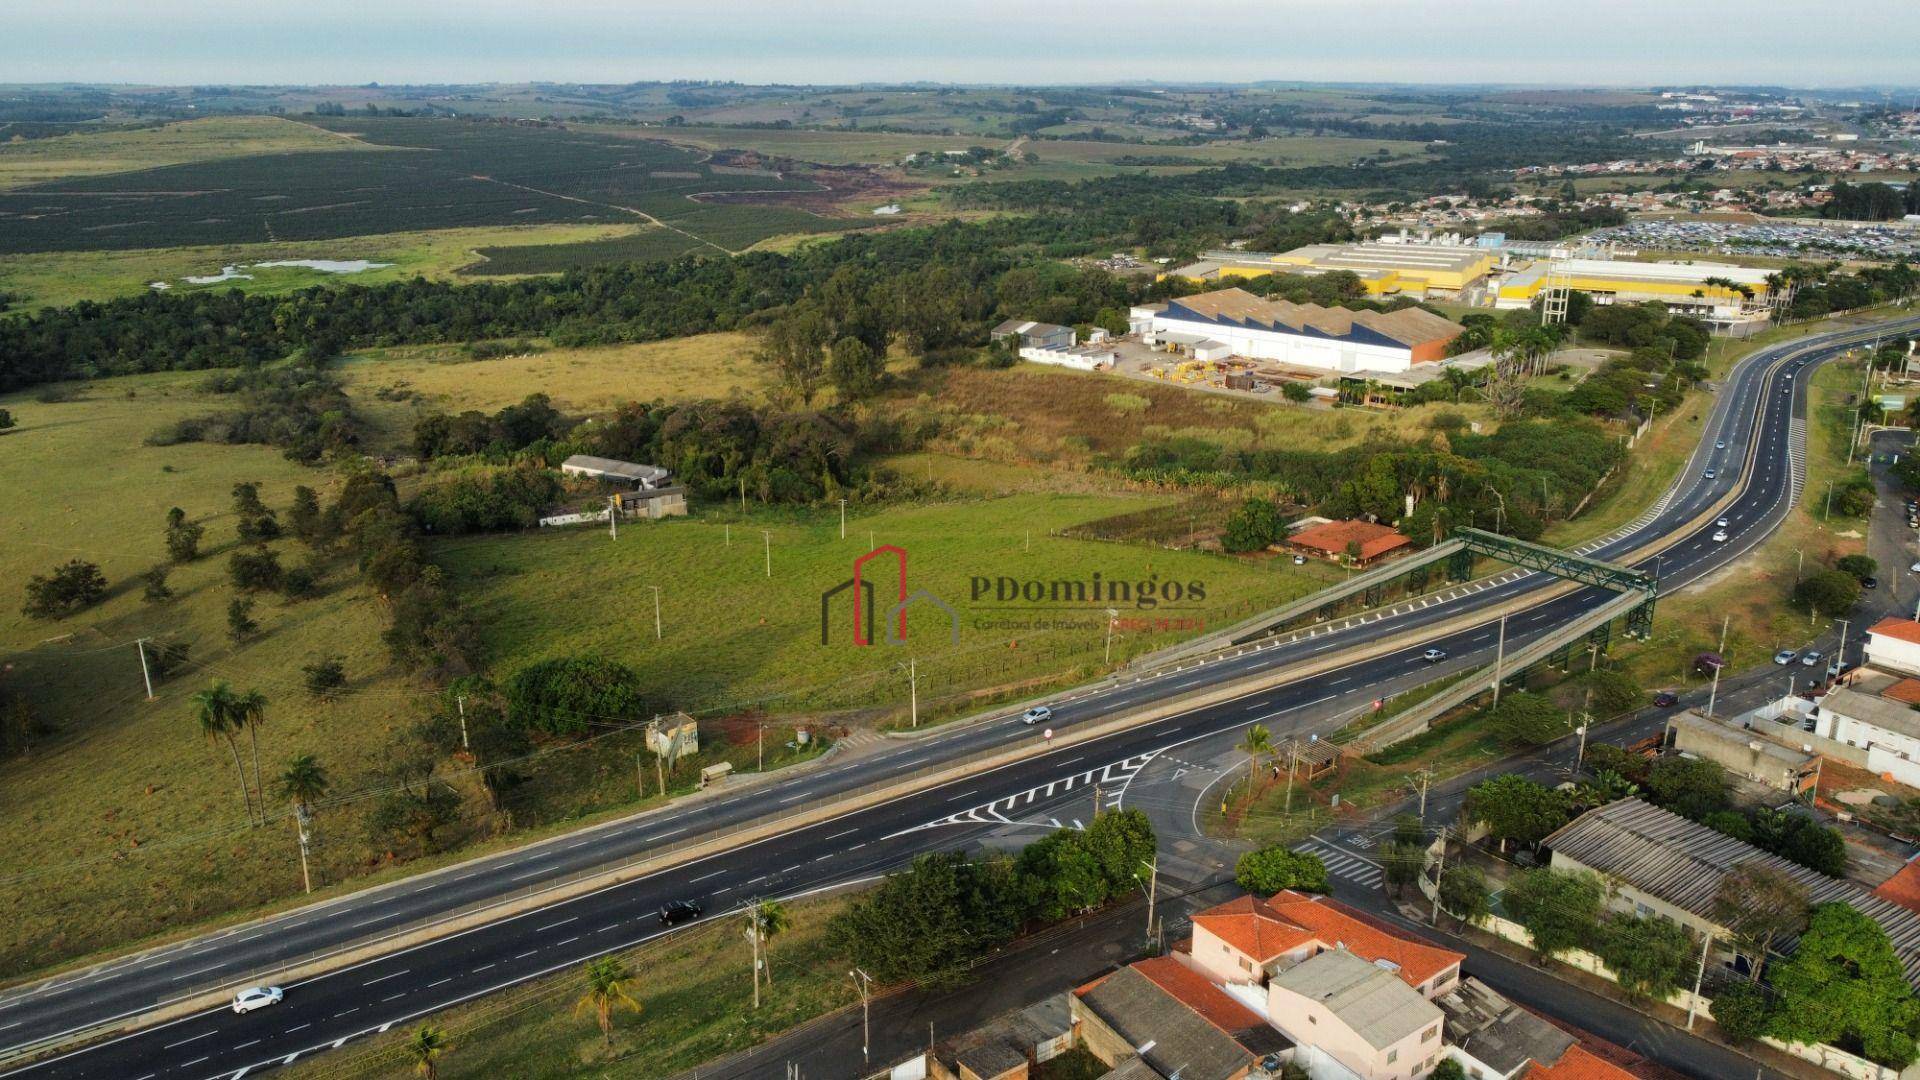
1758	408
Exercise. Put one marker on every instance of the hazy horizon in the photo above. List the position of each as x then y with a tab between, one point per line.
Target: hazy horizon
1626	43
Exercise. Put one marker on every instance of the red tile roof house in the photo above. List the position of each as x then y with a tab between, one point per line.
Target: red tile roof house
1336	539
1248	940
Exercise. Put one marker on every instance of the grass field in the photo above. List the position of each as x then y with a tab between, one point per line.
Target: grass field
823	147
1290	151
37	161
64	277
696	999
442	378
737	637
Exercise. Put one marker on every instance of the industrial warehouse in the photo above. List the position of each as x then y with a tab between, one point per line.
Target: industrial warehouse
1233	322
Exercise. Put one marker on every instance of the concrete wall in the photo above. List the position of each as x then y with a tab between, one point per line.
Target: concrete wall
1893	654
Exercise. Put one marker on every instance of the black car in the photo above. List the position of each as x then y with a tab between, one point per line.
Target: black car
678	912
1666	699
1869	583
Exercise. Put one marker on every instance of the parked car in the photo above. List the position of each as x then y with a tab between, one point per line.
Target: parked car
1299	560
1784	656
1666	699
1810	657
678	911
1869	583
1915	568
1036	714
1434	656
257	997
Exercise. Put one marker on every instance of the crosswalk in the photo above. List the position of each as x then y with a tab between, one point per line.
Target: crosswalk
1344	865
1037	807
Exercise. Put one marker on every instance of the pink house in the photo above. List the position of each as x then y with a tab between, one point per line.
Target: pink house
1372	1025
1248	941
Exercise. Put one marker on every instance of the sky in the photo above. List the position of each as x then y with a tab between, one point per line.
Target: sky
1584	42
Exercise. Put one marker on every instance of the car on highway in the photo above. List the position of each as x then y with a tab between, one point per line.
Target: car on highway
1036	714
1722	523
1666	699
1784	656
1720	445
1720	536
257	997
676	912
1810	657
1711	473
1434	656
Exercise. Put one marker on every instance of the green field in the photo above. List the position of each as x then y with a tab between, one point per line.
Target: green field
824	147
37	161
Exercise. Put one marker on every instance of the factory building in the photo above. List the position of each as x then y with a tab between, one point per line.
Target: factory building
1420	271
1684	288
1234	322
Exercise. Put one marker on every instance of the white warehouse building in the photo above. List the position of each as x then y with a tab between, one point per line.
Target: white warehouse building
1234	322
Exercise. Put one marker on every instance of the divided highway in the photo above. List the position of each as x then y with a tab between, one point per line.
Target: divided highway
1758	412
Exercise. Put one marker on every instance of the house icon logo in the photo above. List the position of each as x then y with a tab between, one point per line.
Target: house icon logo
865	604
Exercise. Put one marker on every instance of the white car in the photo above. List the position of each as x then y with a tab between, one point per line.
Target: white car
1720	536
1036	714
1915	568
1810	658
1721	524
1434	656
257	997
1720	446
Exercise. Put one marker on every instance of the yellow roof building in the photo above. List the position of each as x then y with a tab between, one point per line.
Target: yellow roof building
1384	269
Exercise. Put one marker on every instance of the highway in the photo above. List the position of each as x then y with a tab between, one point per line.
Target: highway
1756	411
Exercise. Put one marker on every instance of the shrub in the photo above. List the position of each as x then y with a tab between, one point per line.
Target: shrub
569	695
1269	870
1523	719
1742	1010
72	587
1861	567
257	571
325	677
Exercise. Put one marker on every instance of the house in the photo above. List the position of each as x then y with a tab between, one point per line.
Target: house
654	503
1360	542
1361	1015
1005	1047
1743	753
619	472
1248	940
1894	644
1128	1014
1886	728
1035	335
1494	1039
1301	335
1658	862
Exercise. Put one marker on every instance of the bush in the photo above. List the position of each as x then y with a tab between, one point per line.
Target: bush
1614	693
1523	719
1742	1010
72	587
1689	787
325	677
570	695
1861	567
1272	869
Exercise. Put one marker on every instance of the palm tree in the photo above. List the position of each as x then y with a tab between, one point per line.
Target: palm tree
425	1046
770	918
606	991
214	710
1257	744
1457	380
250	711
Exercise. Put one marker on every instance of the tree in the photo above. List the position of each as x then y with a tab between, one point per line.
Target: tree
303	782
240	622
1690	787
1409	830
1560	910
1448	1069
569	695
1799	837
855	368
425	1046
154	588
1464	893
1517	809
1832	592
766	920
793	346
1614	692
607	979
1252	527
256	522
1759	904
183	536
6	418
1272	869
1651	956
1256	744
1402	864
72	587
1523	719
250	711
325	677
1742	1010
256	571
309	523
928	921
215	713
1861	567
1844	981
1123	843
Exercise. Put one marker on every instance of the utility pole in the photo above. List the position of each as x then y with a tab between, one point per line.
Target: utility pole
1714	694
1112	615
843	519
1799	564
656	611
1827	513
613	516
1499	661
460	703
1424	781
1293	763
640	774
1153	885
1096	800
767	536
753	935
1580	755
865	982
300	819
1693	1003
727	532
913	690
1439	871
1840	654
147	676
1725	622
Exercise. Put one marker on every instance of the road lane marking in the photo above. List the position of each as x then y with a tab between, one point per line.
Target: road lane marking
558	925
196	1038
442	982
384	978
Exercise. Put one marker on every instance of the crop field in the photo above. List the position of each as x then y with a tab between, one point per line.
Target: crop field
414	175
391	386
736	636
1292	151
37	161
63	277
824	147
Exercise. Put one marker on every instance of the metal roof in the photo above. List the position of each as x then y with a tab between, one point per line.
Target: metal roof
1681	862
1168	1034
1366	997
1894	716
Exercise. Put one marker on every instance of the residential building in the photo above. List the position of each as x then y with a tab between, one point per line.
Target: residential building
1886	728
1035	335
1361	1015
1236	322
1658	862
1494	1039
642	477
1357	542
1131	1014
1894	644
1247	940
1743	753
